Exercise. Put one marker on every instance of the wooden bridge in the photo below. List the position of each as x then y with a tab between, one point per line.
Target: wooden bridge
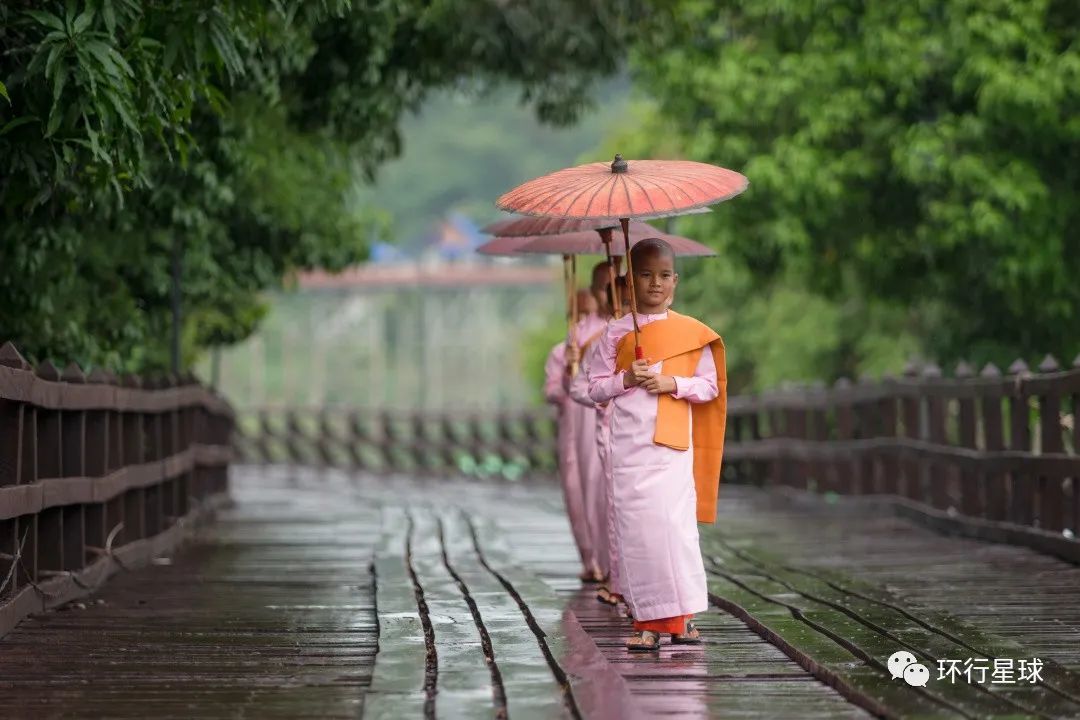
390	566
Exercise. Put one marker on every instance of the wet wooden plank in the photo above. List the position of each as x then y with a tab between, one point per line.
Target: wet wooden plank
398	685
1010	592
822	598
735	674
530	687
464	684
268	614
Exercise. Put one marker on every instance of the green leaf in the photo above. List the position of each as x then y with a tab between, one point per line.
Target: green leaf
69	16
58	84
54	55
107	59
16	122
48	20
120	105
55	116
83	21
3	93
109	16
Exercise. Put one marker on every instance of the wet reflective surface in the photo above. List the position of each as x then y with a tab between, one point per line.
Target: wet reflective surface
327	595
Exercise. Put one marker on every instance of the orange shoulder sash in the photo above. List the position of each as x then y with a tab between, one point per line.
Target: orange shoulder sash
678	342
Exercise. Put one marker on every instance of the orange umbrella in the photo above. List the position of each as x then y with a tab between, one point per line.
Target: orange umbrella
626	190
540	225
590	243
501	246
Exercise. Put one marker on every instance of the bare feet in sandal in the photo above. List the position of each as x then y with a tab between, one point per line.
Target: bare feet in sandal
590	577
644	641
690	636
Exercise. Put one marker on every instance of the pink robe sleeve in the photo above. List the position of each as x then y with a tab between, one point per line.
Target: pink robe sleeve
554	369
604	382
702	386
579	386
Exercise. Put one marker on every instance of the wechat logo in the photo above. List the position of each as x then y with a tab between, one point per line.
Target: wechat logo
904	664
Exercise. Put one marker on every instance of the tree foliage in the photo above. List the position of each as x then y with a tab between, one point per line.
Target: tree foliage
916	166
232	127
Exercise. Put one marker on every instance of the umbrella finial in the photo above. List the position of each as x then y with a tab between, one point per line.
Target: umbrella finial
619	165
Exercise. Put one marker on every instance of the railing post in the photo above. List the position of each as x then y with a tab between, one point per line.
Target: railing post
16	440
100	427
795	427
132	445
866	428
758	468
819	431
1022	507
970	489
73	464
844	467
888	465
154	436
1074	485
909	405
995	482
1051	496
935	469
170	442
50	431
13	422
50	524
389	441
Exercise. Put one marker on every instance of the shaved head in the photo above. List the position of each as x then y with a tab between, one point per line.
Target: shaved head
651	247
600	274
586	302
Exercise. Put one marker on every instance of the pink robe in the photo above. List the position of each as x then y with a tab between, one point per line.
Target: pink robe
590	468
568	419
600	505
653	487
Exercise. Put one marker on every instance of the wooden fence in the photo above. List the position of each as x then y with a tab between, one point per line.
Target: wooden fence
997	447
511	445
98	474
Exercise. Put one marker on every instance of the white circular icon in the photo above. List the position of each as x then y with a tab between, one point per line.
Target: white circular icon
916	675
900	660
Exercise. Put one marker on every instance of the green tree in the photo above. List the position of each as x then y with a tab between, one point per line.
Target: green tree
918	160
231	126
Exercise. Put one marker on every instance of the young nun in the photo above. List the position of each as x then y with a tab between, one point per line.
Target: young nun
667	435
610	591
590	466
556	373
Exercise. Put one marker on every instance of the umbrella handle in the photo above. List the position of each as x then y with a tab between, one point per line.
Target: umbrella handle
616	306
639	352
573	311
625	222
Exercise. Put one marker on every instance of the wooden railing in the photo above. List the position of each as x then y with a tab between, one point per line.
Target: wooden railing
997	447
98	474
510	445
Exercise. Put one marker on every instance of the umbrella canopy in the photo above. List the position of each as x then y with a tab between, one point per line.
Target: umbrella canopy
516	227
624	189
591	243
502	246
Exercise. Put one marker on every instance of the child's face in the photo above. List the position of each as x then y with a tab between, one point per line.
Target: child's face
587	304
599	286
654	283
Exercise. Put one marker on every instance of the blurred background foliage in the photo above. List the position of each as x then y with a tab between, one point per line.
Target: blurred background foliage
914	167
